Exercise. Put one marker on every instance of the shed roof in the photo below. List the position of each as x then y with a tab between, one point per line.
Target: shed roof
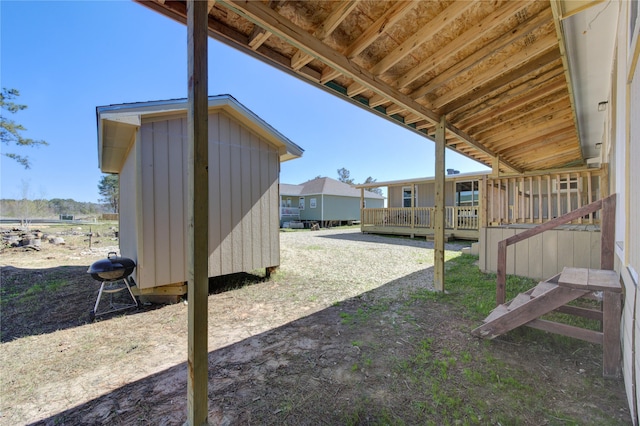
325	186
117	126
518	82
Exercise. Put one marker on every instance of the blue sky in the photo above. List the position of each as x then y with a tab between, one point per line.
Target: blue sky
68	57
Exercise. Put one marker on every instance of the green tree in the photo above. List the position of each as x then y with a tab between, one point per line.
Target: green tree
10	131
343	176
374	190
109	188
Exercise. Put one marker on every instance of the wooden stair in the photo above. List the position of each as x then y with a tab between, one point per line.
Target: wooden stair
553	294
525	307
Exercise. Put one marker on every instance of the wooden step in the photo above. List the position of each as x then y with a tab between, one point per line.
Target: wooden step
542	287
496	313
519	300
520	310
590	279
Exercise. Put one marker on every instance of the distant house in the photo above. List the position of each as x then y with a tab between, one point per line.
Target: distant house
325	201
410	207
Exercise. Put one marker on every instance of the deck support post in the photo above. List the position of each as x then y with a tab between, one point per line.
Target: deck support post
608	232
198	214
438	237
611	347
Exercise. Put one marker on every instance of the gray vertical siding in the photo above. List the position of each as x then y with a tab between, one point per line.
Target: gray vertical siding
128	206
243	200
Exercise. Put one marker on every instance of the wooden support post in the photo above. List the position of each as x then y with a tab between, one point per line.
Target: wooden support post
549	215
540	215
612	311
608	232
482	208
438	238
198	215
589	195
495	166
568	177
501	273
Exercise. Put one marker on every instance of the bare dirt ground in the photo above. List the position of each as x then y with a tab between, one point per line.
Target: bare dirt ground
344	333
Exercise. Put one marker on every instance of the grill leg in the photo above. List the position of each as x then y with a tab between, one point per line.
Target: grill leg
126	281
95	308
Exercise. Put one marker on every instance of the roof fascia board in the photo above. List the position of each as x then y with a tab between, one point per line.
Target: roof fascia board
556	10
154	110
570	8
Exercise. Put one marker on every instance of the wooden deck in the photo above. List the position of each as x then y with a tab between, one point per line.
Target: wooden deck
460	222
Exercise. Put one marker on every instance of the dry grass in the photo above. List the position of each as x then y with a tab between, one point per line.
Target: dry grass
345	333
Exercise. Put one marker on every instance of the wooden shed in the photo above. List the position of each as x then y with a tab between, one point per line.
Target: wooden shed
146	144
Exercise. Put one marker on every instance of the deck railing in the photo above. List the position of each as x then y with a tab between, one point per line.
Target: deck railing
420	217
539	199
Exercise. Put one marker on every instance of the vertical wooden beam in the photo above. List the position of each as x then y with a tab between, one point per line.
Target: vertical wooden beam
495	166
568	177
589	195
558	200
515	213
501	273
611	313
198	214
608	232
413	207
492	216
540	215
530	200
548	177
438	240
579	180
482	208
506	203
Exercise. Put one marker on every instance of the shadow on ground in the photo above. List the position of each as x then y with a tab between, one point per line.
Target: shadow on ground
391	239
40	301
375	360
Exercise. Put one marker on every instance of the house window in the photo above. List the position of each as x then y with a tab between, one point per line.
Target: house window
467	194
564	185
301	203
406	196
312	203
288	202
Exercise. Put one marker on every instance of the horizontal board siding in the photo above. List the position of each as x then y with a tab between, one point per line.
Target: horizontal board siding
541	256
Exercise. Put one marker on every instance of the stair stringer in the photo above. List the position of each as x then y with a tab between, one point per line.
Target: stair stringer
544	303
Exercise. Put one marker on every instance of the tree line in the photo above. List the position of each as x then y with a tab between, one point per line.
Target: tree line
46	209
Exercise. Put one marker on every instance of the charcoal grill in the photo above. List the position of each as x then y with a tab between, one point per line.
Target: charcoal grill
114	275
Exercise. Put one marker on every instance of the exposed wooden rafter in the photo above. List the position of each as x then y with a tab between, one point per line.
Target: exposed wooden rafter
495	70
304	42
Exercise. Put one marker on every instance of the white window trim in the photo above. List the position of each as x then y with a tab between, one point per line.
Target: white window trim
415	195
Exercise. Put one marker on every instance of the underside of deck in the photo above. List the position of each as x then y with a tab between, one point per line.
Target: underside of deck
421	232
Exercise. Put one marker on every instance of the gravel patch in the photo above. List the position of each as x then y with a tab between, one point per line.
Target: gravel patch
351	263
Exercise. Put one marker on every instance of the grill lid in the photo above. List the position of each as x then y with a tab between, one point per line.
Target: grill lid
112	268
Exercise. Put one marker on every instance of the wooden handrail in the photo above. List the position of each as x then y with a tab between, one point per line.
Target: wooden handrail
607	238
